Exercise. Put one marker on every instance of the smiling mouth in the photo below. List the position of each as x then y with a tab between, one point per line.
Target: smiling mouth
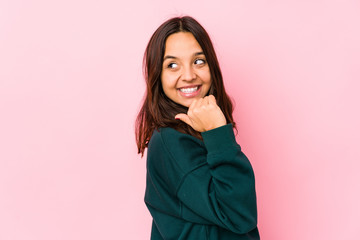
189	89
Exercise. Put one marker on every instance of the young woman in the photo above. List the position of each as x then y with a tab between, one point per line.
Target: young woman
199	185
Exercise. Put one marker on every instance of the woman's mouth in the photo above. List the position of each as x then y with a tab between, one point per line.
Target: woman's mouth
190	91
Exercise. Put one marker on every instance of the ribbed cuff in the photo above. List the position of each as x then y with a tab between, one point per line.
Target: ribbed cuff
219	138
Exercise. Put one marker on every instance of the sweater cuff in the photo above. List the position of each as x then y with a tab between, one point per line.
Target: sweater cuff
220	138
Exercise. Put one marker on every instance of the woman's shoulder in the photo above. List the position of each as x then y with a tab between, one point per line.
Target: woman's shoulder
168	142
170	136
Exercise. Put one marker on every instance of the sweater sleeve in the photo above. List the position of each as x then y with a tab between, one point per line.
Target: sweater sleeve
220	187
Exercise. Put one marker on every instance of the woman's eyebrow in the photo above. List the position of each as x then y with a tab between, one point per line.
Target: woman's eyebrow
199	53
168	56
173	57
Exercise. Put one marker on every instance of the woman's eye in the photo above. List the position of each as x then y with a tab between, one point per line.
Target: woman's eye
199	61
172	65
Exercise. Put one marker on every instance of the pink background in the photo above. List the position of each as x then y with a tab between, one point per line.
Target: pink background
71	85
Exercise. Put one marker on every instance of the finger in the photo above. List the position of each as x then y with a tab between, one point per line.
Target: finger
212	99
197	104
206	100
185	118
192	105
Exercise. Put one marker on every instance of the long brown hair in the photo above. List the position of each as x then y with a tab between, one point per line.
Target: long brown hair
158	110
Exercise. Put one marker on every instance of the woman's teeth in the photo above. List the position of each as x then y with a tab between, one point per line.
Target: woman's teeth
189	90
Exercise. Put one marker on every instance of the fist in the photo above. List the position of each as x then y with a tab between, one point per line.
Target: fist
203	114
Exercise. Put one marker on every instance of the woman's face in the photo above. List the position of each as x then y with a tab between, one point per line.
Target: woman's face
185	73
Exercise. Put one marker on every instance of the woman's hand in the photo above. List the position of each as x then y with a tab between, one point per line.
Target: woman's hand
203	114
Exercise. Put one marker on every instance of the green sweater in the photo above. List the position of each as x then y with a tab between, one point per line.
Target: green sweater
200	189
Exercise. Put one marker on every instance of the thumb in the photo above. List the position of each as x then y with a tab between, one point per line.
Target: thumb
183	117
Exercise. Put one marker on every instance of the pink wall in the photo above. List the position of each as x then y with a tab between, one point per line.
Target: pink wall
71	85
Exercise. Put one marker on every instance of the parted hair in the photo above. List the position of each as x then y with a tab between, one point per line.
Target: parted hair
157	109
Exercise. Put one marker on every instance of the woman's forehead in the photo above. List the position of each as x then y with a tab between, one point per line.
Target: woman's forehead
182	43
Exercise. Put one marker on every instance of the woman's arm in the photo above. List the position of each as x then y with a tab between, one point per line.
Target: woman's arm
212	180
223	190
231	184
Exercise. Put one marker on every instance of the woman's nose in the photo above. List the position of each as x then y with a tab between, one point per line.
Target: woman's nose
188	74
